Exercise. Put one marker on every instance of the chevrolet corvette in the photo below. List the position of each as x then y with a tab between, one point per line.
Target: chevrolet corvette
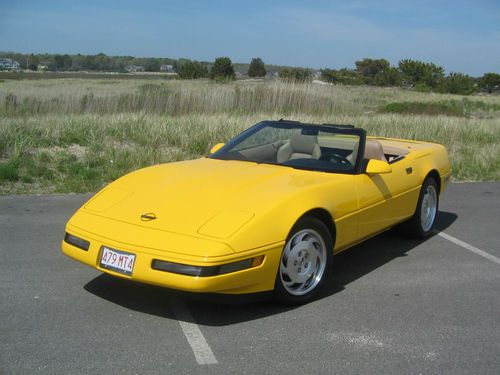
265	212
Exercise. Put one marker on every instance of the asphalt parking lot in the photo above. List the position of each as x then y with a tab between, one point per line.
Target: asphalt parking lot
395	306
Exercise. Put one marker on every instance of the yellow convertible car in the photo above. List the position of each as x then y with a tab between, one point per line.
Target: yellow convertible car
265	212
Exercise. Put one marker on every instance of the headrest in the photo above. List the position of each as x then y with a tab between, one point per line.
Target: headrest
374	150
303	144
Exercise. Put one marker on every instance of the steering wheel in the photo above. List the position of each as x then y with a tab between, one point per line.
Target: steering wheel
341	159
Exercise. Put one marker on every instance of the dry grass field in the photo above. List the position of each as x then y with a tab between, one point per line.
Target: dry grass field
75	135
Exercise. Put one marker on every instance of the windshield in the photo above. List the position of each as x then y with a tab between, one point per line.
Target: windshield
303	146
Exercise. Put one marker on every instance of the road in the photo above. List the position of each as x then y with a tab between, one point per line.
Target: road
395	306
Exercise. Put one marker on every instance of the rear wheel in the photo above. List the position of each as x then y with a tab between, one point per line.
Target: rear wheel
305	262
422	222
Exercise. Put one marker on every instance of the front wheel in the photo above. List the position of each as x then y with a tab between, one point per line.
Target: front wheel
305	262
420	225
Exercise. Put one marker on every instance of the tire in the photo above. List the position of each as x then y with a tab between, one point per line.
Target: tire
421	224
305	263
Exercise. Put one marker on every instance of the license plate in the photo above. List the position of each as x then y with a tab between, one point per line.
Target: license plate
118	261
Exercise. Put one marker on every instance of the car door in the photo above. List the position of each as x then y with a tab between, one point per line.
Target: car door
386	199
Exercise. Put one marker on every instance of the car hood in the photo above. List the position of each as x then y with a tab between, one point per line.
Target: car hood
203	198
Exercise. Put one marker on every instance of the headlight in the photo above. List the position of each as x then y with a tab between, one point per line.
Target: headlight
205	271
75	241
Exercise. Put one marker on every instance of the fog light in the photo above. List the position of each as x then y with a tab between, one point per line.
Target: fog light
77	242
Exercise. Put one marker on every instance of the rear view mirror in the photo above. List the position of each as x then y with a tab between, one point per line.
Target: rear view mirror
216	148
378	167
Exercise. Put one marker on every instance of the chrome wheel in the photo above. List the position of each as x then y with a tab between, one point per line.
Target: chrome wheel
421	223
429	208
303	262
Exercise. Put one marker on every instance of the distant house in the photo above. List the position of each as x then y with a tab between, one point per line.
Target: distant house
167	68
5	64
134	68
9	64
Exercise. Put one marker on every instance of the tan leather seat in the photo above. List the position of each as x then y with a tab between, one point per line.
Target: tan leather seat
354	154
374	150
299	147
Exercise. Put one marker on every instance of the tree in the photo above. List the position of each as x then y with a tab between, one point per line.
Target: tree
178	63
59	62
62	62
387	77
490	82
222	70
342	76
151	65
458	83
369	68
103	62
295	74
67	62
77	62
89	63
256	68
192	70
420	73
378	72
33	62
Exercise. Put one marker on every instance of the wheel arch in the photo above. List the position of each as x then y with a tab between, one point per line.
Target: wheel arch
325	217
435	175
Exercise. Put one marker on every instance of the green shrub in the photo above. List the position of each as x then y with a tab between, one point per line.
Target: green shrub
422	87
490	82
457	83
418	72
222	70
9	171
256	68
387	77
371	67
342	77
295	74
192	70
422	108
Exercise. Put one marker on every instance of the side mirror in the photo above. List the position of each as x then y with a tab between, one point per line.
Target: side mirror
216	148
377	167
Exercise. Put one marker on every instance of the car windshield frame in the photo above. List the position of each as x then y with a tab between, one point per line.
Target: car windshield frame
222	153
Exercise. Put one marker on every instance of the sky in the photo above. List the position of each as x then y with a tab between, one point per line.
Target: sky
459	35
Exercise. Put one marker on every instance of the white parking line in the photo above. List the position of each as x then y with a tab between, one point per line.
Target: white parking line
199	345
465	245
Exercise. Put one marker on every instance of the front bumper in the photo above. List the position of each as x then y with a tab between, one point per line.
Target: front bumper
251	280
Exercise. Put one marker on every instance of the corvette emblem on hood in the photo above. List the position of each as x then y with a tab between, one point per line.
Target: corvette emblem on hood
148	217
